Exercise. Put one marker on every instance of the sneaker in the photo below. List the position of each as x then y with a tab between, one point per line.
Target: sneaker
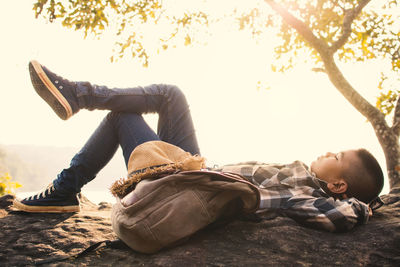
58	92
49	200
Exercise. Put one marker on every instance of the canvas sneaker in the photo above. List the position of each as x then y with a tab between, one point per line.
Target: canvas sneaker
49	200
58	92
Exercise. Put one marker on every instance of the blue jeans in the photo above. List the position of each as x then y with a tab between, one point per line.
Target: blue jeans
125	126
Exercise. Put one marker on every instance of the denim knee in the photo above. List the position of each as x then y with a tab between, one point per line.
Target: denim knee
176	95
111	115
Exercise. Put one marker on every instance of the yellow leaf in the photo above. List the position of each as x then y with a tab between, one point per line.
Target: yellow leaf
188	40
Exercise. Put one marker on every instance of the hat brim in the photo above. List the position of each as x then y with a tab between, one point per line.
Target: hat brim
124	186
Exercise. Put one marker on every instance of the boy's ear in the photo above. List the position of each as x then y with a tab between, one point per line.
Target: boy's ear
338	187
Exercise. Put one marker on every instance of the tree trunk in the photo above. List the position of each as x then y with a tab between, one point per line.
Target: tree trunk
390	145
388	136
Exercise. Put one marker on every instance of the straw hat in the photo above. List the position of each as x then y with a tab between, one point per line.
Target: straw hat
154	159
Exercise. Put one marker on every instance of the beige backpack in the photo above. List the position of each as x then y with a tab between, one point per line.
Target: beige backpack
161	212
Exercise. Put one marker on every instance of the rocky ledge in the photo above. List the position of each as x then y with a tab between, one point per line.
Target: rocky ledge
27	238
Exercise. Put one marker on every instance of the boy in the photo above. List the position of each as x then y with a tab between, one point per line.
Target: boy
330	195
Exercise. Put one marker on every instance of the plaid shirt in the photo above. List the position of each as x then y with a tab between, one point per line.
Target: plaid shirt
292	190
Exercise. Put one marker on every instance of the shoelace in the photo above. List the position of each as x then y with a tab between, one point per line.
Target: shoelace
47	191
59	78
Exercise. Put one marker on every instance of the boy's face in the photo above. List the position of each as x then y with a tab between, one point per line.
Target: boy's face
331	166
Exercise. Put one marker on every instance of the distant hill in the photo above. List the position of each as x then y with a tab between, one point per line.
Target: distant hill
36	166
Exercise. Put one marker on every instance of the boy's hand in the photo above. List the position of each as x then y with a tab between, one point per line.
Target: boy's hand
370	213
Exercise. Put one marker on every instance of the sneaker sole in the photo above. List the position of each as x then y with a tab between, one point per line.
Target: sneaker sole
46	90
45	209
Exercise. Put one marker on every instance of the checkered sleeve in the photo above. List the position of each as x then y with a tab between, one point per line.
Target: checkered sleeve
326	213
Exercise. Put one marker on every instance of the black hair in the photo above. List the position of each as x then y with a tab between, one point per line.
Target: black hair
366	182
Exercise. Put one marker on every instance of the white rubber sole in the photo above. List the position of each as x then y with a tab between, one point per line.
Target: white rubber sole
17	205
47	90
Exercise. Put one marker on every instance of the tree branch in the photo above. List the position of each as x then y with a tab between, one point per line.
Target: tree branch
326	53
387	139
396	119
348	19
345	88
299	26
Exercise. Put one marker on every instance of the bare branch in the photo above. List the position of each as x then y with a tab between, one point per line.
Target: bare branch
396	119
349	17
299	26
330	67
345	88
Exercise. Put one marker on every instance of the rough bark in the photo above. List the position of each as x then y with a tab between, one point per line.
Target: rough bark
388	136
390	145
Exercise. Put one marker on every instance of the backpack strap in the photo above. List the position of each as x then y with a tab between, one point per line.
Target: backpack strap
108	243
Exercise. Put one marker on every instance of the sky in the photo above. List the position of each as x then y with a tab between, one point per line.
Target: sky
300	117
